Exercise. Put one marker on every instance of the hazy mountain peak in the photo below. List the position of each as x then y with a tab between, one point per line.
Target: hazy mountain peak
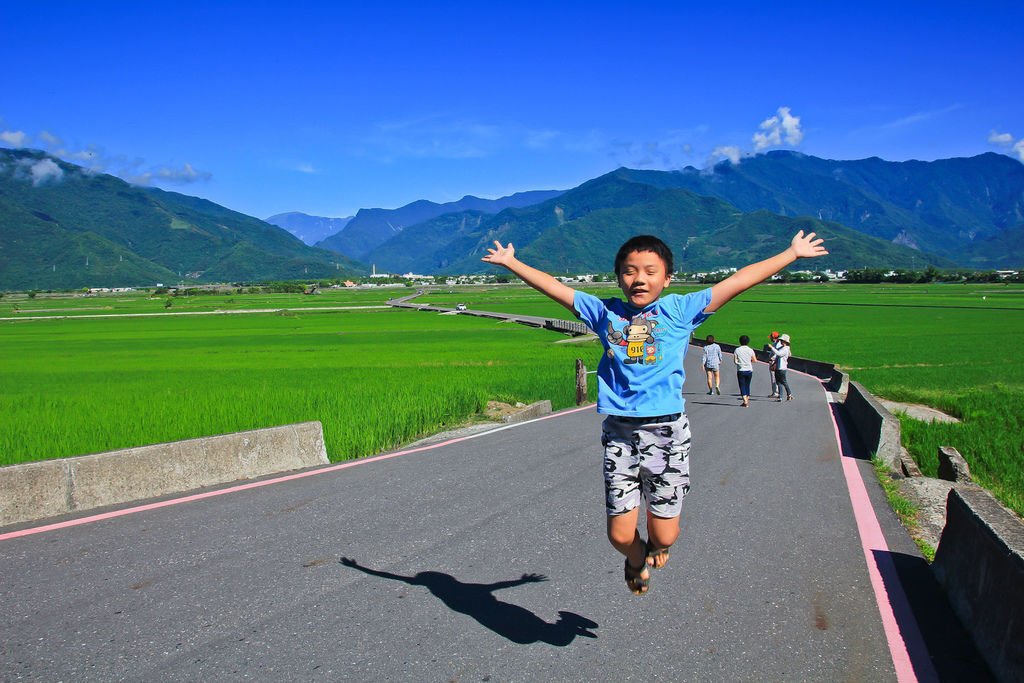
309	229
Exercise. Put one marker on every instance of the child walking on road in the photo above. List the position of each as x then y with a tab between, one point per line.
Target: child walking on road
646	434
712	360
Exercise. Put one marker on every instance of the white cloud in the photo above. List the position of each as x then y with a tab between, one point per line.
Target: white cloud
50	140
771	138
306	168
791	125
773	130
145	178
671	149
132	173
45	170
182	176
14	138
94	159
918	117
730	152
91	155
782	128
1004	139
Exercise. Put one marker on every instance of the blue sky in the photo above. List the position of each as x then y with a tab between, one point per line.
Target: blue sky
326	108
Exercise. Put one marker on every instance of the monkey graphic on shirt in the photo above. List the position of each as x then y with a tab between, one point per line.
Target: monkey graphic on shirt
635	336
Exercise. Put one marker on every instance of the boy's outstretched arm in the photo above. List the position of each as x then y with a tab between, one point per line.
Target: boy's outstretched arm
538	279
802	246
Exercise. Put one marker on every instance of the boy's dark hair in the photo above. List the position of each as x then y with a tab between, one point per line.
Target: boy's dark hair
744	340
710	339
644	243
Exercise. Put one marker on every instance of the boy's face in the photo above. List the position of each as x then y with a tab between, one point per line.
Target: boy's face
642	278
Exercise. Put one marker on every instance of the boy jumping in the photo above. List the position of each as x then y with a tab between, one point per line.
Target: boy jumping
646	434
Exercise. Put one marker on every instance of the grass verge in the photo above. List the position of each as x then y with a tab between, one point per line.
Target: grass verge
904	509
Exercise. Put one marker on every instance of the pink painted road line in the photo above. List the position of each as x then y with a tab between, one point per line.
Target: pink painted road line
902	634
266	482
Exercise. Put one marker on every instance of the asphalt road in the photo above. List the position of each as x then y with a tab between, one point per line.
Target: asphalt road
479	560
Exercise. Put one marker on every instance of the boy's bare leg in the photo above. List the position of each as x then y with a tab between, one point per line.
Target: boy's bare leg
662	533
623	534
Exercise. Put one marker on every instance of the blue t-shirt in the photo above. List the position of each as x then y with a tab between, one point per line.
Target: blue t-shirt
641	371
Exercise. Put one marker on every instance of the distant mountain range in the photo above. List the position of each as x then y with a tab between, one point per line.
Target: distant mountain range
309	229
965	212
943	206
63	227
582	228
372	227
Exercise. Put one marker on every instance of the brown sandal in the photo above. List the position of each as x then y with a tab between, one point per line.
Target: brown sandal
636	582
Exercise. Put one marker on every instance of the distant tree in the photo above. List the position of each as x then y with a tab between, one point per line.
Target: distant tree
987	276
902	276
865	275
168	303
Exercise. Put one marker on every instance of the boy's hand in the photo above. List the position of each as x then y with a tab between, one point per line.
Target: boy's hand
538	279
802	246
806	246
501	256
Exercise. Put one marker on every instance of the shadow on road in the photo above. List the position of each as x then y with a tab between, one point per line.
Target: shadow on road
944	642
476	600
850	442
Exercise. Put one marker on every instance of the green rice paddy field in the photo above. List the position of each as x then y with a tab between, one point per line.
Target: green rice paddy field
379	377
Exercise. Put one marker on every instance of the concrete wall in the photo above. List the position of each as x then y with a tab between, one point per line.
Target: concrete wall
878	428
980	558
534	410
980	563
36	490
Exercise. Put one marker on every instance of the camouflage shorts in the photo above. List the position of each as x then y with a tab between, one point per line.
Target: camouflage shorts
652	453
